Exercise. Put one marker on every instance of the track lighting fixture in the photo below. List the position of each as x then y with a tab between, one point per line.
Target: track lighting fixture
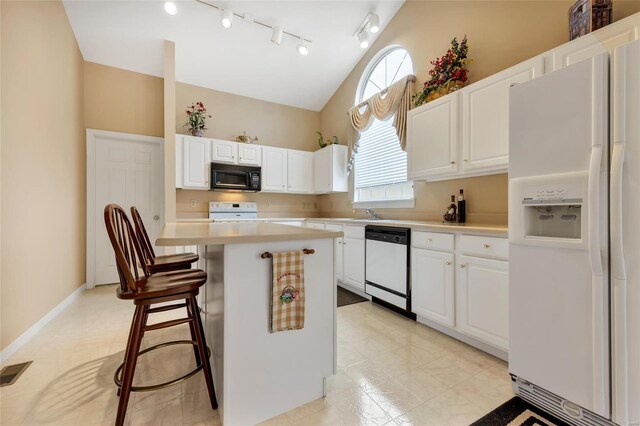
302	48
276	32
363	38
276	35
374	23
170	7
227	18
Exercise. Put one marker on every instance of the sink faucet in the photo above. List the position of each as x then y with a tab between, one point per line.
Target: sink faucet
372	214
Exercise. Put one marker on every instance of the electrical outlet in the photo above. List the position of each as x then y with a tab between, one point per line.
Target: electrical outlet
193	203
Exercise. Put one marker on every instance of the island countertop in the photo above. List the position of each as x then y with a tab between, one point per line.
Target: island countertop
185	234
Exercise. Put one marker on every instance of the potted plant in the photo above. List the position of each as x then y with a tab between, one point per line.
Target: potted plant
449	73
197	115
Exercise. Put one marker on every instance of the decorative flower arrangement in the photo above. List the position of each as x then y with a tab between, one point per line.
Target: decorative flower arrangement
449	73
197	114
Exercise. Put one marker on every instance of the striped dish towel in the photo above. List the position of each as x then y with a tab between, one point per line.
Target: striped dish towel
287	299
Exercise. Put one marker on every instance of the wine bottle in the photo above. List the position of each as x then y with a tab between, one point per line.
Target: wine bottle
462	207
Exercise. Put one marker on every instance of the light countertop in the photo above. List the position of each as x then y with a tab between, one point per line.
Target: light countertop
419	225
186	234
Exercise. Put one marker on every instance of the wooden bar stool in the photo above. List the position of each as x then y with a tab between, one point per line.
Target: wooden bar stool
146	290
170	262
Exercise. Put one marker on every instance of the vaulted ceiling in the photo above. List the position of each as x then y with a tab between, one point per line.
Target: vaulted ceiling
240	60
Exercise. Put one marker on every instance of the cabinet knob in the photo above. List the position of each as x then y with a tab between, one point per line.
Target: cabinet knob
430	240
487	245
156	217
466	161
453	162
448	263
463	266
344	243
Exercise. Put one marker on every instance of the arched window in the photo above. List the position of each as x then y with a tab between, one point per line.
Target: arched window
380	168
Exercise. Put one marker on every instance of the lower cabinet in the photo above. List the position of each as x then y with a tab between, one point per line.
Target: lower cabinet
339	250
483	299
432	278
353	266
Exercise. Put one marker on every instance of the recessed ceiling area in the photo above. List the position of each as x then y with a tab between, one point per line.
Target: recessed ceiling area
242	59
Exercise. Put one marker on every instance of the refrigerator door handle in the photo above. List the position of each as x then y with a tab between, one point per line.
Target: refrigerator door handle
594	210
617	249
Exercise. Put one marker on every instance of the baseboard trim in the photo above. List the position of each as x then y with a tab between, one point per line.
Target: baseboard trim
498	353
14	346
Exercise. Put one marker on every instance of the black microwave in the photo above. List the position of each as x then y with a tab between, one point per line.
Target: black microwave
230	177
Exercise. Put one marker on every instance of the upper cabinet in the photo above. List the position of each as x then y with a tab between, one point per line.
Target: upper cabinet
485	117
249	154
432	138
299	172
229	152
330	170
274	169
603	40
196	162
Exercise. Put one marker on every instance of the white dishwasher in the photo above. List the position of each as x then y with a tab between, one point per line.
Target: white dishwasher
387	267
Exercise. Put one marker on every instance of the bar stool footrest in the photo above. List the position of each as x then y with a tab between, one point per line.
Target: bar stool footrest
117	377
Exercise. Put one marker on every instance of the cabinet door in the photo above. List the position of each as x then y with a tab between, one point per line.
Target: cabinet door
485	126
322	171
603	40
224	152
353	268
274	169
432	138
432	285
250	155
339	245
482	303
300	171
196	162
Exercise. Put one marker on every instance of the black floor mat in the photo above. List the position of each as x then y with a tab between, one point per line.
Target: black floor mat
345	297
518	412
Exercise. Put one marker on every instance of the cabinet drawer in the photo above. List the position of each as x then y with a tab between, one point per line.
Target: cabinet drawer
354	231
433	241
484	246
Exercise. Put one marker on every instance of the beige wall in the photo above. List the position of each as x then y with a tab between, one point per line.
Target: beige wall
501	34
123	101
43	164
274	125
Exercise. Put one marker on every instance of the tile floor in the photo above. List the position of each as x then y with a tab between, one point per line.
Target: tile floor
390	371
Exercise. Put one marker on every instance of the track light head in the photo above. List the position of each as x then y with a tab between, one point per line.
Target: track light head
227	18
374	23
170	7
302	48
276	35
363	38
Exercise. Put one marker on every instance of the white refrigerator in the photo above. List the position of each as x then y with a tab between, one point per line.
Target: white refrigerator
574	239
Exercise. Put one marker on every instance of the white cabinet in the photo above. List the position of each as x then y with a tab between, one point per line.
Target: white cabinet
353	256
224	151
339	249
249	154
432	285
274	169
603	40
432	138
196	162
330	170
315	225
299	171
482	305
485	125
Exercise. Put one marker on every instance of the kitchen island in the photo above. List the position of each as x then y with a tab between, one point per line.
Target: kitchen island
258	374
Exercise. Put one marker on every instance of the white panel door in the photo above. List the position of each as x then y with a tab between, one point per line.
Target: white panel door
483	300
603	40
224	151
274	169
249	155
432	138
353	267
485	127
128	173
300	171
432	285
196	162
322	174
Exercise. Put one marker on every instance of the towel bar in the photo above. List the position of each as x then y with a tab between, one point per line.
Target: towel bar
268	255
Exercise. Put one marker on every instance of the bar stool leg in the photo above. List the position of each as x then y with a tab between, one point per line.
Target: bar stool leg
192	331
202	347
133	347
